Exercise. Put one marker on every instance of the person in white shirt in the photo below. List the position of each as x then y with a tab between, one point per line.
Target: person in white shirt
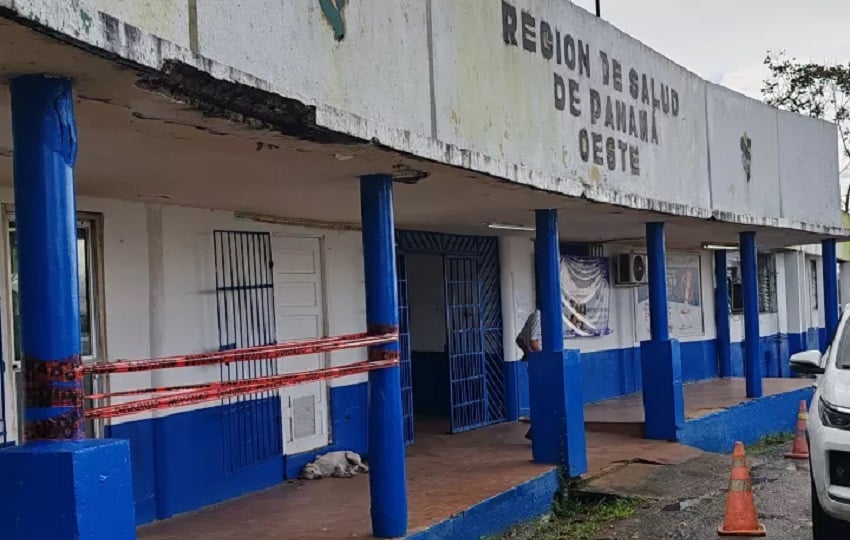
529	340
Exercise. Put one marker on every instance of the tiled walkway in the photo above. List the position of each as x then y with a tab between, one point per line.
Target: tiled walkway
446	474
701	398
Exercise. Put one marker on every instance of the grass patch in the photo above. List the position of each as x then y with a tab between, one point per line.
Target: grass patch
573	519
769	442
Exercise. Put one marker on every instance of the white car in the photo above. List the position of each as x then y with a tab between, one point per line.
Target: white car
828	433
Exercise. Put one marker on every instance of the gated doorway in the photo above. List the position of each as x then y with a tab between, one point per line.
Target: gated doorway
450	319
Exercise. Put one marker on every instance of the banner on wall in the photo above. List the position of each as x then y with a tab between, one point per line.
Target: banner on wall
684	299
585	291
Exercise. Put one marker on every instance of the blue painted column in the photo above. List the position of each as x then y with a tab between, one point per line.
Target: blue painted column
57	485
752	340
721	313
387	478
661	362
830	287
547	269
557	405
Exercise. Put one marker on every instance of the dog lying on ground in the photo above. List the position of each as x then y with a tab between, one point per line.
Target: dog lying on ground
335	464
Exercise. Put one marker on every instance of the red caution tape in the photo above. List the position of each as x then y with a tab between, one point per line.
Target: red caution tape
192	394
269	352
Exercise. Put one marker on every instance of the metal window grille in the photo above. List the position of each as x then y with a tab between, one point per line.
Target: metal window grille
765	276
813	282
245	309
767	283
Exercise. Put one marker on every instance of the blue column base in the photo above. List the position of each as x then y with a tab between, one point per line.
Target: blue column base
663	400
67	491
557	411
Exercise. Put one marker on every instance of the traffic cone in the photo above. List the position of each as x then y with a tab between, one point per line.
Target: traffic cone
741	518
800	450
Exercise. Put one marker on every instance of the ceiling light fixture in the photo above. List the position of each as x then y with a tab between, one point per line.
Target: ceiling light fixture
509	227
720	247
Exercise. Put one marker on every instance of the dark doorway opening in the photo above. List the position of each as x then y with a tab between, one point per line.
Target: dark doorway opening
452	358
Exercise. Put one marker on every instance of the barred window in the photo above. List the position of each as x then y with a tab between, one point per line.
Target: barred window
766	282
813	282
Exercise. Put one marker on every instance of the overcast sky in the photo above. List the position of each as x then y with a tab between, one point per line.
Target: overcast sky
725	41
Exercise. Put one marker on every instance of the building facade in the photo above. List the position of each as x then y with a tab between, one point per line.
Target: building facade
217	208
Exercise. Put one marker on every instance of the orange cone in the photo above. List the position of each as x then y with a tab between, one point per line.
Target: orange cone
800	450
741	518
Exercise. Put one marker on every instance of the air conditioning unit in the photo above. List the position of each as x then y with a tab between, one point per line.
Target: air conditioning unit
630	269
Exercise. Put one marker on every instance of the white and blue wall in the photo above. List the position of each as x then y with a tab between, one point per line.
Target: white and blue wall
159	299
611	363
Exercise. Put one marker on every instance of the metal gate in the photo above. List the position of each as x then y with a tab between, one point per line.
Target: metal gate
474	324
404	351
245	307
467	362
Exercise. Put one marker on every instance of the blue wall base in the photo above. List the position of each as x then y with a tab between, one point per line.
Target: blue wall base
748	422
663	399
557	411
67	491
498	513
512	391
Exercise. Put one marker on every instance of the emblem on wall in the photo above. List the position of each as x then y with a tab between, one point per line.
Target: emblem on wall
746	154
333	12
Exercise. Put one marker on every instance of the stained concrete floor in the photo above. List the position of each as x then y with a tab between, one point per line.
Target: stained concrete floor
445	474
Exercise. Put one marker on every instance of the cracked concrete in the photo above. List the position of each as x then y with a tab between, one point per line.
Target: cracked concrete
687	501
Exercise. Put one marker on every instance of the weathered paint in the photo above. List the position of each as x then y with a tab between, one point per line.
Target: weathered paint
387	479
333	12
482	104
729	117
537	110
843	248
807	157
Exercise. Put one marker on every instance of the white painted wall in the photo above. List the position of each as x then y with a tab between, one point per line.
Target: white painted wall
126	294
729	118
499	99
517	267
189	306
808	165
456	92
516	263
159	290
296	49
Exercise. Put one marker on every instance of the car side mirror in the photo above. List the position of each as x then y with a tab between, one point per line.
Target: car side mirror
807	362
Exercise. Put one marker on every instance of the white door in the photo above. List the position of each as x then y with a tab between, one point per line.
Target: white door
299	314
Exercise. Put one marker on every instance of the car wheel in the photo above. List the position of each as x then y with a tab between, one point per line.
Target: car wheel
824	526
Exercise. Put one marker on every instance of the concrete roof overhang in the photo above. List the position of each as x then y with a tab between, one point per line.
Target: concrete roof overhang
171	139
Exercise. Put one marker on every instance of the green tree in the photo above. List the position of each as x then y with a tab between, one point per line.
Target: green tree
818	90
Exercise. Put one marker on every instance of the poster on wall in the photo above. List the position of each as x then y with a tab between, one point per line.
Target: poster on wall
585	291
684	299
